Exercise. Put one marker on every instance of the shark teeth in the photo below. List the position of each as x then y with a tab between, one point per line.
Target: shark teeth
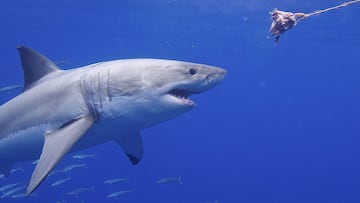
182	96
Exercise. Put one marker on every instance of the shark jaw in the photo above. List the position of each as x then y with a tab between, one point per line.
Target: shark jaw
182	96
120	97
182	93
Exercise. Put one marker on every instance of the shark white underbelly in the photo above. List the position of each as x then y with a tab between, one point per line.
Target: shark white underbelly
69	110
26	145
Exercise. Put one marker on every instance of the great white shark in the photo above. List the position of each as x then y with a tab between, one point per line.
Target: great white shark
61	111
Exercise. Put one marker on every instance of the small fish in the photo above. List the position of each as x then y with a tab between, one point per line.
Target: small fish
211	201
116	180
83	156
9	186
73	166
119	193
169	180
35	162
10	88
12	191
61	181
21	195
55	172
81	190
16	169
61	201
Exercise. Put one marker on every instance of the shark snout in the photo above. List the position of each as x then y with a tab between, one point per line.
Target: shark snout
212	77
216	76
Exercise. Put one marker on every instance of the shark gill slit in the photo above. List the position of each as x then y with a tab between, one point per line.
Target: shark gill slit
99	90
89	100
107	85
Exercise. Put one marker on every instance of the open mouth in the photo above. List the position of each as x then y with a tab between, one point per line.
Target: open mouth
183	96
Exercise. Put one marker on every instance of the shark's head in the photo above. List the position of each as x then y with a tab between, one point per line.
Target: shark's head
173	82
159	89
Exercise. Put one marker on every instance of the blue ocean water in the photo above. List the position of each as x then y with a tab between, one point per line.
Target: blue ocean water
282	127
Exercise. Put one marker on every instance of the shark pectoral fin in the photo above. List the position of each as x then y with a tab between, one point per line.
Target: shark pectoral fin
5	169
132	145
57	143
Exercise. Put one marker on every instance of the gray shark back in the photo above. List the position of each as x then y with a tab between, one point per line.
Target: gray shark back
67	110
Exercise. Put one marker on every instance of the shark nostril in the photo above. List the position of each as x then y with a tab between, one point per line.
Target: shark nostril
215	77
143	92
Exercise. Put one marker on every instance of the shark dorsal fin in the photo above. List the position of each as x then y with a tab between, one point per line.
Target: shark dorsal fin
35	66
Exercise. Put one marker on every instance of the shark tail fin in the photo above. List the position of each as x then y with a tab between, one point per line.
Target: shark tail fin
179	180
126	179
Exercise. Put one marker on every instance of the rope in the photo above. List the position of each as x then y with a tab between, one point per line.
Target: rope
301	16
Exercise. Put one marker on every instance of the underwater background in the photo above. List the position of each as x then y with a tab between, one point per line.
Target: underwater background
284	126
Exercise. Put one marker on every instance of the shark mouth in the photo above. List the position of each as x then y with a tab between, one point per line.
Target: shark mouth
182	96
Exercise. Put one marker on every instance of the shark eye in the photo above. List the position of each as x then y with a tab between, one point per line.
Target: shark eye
192	71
